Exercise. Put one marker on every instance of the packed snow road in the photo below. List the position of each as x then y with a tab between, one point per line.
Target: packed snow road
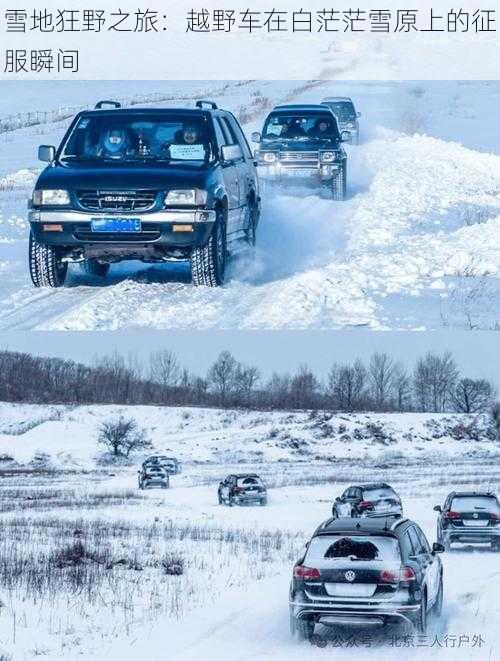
416	244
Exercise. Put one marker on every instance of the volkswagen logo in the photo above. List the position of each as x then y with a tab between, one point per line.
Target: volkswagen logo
350	576
475	515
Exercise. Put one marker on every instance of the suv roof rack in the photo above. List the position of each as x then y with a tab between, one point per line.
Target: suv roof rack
203	102
100	104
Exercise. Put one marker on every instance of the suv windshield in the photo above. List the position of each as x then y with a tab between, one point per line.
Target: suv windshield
301	126
132	138
475	503
328	549
343	110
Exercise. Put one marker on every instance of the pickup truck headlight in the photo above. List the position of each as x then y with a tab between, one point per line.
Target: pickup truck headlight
186	198
50	197
269	157
327	156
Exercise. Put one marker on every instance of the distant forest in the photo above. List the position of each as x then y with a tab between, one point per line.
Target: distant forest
432	384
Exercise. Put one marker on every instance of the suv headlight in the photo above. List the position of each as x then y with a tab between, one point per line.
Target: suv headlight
186	198
50	197
269	156
327	156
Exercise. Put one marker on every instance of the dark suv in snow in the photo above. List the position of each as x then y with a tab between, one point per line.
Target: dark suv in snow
469	517
242	489
366	572
346	114
376	499
302	144
151	476
144	183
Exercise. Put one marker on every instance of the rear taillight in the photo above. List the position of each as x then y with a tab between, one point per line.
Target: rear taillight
387	576
405	574
452	515
238	489
305	573
365	505
494	516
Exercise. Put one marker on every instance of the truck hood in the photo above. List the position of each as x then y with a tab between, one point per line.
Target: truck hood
124	177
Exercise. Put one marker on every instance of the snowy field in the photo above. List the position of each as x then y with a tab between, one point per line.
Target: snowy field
415	246
90	565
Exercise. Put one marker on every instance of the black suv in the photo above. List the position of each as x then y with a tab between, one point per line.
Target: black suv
376	499
366	572
150	184
302	143
346	114
242	489
151	476
469	517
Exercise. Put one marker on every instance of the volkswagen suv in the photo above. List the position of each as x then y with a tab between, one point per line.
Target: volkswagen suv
366	572
469	517
150	184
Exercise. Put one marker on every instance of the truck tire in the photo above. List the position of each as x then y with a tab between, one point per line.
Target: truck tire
93	267
339	186
208	263
251	232
46	268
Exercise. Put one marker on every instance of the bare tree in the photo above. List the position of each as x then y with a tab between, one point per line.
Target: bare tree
221	376
304	388
123	436
347	386
401	388
434	380
381	379
473	395
165	368
495	412
246	378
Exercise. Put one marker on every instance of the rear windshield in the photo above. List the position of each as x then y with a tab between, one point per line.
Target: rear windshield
378	494
327	549
249	481
475	503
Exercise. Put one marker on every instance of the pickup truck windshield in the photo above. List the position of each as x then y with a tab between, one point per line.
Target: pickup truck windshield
134	138
301	126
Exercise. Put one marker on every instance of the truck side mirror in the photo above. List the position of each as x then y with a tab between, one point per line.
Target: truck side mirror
256	136
46	153
437	508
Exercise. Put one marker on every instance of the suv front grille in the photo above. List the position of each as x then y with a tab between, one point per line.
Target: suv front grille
102	200
293	156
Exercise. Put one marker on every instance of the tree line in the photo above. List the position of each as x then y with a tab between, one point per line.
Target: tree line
433	384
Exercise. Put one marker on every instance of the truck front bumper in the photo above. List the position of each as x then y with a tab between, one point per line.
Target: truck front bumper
311	173
177	231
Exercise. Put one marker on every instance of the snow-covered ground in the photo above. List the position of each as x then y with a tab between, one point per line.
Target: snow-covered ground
122	598
415	246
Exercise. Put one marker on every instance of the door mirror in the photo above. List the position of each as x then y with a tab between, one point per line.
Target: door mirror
337	499
46	153
231	153
345	136
358	115
437	548
437	508
256	136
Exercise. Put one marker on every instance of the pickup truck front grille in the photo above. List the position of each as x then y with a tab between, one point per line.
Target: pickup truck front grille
102	200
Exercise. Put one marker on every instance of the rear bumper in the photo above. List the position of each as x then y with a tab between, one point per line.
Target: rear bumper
338	613
472	535
249	498
174	229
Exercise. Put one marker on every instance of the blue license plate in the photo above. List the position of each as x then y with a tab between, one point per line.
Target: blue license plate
116	225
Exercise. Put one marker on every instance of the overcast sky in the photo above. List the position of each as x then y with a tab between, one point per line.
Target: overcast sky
477	353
